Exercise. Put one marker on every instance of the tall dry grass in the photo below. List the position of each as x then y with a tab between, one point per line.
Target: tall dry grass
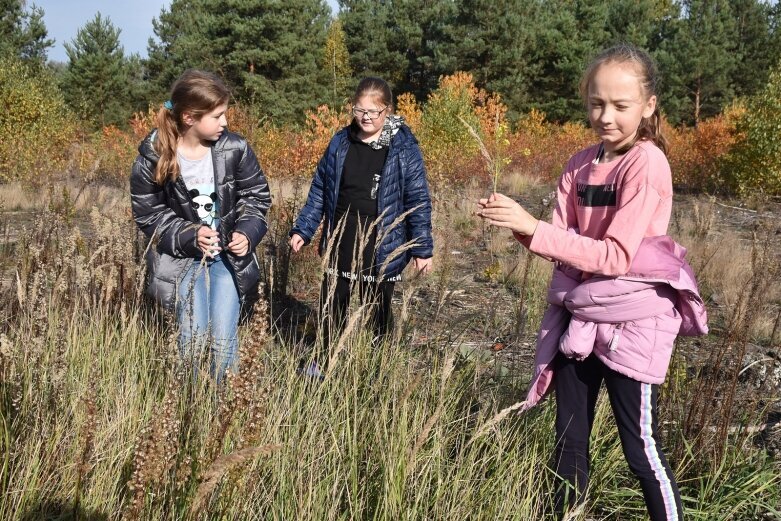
98	420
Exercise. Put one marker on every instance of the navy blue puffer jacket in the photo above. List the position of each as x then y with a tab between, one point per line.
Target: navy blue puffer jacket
403	186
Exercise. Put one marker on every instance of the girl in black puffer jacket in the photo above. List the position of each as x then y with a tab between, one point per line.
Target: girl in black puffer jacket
371	179
198	193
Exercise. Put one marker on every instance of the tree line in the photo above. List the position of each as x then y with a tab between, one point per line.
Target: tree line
283	58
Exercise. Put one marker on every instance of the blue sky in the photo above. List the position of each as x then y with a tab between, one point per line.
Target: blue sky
63	19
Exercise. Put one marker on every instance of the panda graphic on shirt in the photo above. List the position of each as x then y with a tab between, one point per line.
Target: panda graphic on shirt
206	206
198	176
204	201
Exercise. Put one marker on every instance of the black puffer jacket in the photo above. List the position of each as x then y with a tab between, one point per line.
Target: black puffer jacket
165	215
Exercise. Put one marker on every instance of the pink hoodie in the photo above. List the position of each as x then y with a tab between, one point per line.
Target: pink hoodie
612	205
630	322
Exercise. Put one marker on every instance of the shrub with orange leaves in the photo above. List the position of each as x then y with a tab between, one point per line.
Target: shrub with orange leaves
536	147
107	155
286	152
541	149
409	108
243	121
696	152
116	151
452	154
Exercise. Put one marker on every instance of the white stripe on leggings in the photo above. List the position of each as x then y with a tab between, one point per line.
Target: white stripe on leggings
652	453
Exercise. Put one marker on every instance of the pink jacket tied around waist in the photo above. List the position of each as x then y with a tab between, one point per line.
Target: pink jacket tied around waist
630	322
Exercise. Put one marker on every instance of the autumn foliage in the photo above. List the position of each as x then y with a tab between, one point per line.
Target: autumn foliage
696	153
457	125
37	128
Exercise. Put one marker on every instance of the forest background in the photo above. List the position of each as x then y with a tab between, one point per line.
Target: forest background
286	60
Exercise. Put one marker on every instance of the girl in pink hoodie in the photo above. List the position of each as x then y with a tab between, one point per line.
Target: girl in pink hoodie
612	195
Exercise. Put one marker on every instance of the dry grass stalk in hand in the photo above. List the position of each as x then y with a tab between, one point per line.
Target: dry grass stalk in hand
494	165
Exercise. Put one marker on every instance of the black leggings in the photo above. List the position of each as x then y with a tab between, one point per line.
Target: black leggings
634	407
377	295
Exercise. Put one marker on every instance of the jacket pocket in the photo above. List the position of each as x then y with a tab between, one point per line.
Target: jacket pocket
627	344
644	345
163	275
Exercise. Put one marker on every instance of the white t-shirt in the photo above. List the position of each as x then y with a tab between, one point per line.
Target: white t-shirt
198	177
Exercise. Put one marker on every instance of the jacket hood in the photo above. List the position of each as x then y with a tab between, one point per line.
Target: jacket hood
147	149
403	136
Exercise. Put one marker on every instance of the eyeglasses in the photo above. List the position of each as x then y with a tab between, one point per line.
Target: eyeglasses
372	113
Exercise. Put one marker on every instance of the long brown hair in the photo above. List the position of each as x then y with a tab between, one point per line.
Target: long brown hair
195	92
651	127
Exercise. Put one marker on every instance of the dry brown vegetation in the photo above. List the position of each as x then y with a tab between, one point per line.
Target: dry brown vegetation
99	421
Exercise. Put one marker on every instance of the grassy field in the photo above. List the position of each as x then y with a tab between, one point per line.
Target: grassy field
99	421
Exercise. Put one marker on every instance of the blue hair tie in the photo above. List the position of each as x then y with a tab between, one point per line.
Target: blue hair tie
168	105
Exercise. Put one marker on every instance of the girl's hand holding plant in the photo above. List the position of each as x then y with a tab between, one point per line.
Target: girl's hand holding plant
499	210
239	244
209	241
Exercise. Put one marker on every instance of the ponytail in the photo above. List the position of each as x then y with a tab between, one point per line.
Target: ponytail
651	129
165	146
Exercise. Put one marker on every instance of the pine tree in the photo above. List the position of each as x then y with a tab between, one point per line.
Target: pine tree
268	51
493	40
698	61
95	83
429	23
755	46
568	35
375	39
181	42
23	33
398	40
639	22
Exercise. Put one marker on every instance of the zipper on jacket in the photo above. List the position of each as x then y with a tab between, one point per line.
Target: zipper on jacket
337	181
383	176
217	191
616	337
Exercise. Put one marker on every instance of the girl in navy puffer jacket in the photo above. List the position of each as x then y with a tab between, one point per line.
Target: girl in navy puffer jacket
371	192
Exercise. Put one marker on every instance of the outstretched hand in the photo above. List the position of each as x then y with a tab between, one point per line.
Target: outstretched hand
499	210
296	242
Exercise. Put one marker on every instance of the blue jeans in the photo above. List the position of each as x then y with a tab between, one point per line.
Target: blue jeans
207	312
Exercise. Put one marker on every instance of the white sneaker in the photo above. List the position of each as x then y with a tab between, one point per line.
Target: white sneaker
311	369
